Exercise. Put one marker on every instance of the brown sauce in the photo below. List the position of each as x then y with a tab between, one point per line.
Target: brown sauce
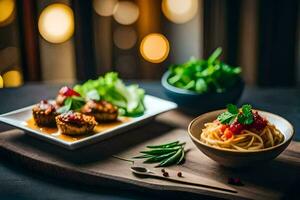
72	138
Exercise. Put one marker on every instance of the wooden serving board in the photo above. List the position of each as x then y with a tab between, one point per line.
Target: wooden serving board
95	165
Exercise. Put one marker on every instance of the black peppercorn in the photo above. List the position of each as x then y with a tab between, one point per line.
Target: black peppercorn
165	174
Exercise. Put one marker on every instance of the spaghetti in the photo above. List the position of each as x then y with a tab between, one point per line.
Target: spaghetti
260	134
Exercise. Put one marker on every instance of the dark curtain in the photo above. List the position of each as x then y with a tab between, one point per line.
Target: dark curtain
28	37
277	42
276	37
84	43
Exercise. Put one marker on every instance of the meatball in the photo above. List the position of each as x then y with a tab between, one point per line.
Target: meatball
75	123
64	93
44	113
103	111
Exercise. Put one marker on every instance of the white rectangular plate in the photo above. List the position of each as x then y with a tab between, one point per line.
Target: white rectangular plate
154	106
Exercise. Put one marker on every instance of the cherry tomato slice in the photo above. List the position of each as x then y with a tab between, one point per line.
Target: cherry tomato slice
68	92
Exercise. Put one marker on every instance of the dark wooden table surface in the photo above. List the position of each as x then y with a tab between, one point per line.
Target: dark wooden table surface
19	183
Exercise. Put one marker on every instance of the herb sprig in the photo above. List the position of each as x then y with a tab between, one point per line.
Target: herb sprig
245	116
72	103
164	154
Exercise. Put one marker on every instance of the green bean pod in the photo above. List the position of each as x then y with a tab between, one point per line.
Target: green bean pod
161	151
181	157
155	159
175	145
172	160
163	145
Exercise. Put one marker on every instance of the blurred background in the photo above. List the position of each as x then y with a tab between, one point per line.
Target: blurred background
73	40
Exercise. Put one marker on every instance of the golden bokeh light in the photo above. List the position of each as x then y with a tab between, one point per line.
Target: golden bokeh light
124	37
56	23
155	48
104	7
180	11
1	82
126	12
7	8
12	78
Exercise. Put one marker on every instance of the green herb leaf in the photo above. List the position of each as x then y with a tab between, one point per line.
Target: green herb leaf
215	55
244	117
247	110
66	107
233	109
71	103
201	85
77	102
226	117
204	76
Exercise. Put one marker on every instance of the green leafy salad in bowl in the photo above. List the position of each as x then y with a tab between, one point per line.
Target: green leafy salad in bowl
201	76
200	85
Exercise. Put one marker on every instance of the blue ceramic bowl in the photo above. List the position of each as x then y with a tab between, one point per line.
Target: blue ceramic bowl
195	103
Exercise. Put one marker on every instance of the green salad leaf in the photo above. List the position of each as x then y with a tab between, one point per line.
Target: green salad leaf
93	95
211	75
129	99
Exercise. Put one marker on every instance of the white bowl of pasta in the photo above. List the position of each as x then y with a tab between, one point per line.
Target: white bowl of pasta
231	144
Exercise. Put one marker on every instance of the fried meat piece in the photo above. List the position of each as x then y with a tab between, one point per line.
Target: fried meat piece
75	123
44	113
103	111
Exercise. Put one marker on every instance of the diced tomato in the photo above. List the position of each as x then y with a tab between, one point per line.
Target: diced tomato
223	128
227	133
236	127
68	92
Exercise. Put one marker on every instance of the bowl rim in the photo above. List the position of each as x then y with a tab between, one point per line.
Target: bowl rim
165	84
286	140
168	86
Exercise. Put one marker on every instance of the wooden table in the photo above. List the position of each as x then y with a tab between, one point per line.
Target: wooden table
19	182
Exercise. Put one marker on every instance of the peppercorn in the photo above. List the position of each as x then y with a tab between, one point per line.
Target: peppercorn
163	170
165	174
179	174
